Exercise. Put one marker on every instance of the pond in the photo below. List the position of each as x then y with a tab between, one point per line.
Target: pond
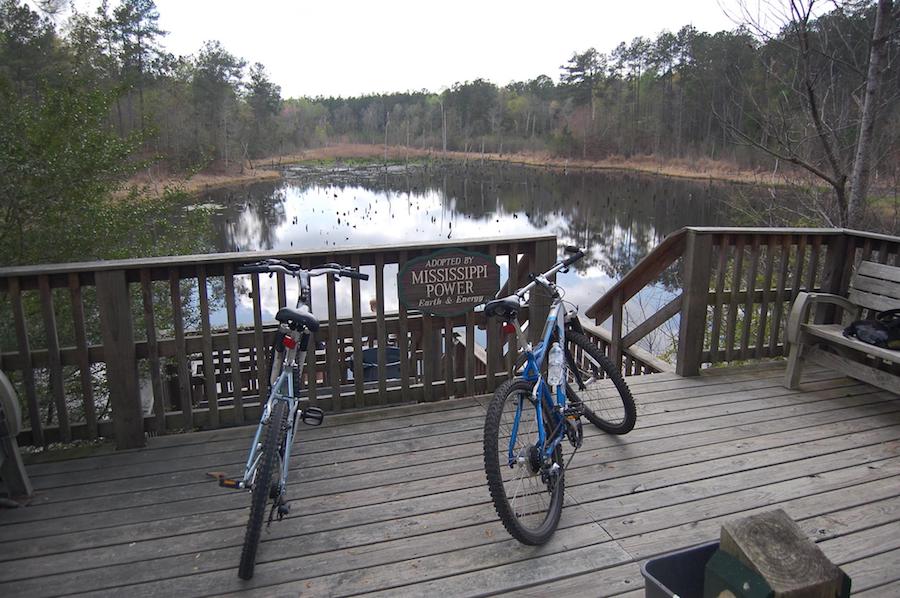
617	217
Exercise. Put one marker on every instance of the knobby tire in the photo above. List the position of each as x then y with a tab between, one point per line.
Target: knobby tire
608	403
495	467
261	489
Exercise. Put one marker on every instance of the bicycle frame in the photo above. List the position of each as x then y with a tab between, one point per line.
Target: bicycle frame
282	389
542	394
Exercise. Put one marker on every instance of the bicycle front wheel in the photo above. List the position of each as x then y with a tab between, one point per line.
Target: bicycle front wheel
527	493
262	488
607	400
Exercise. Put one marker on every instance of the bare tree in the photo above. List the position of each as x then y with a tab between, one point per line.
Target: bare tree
859	179
809	68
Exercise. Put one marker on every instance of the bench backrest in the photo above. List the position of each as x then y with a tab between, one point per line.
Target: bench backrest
875	286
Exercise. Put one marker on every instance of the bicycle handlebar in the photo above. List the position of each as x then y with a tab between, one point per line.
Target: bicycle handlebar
541	279
277	265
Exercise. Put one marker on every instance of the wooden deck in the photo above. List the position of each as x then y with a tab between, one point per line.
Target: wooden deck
393	502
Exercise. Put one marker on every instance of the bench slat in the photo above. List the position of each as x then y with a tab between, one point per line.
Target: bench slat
872	301
877	286
859	371
834	333
873	270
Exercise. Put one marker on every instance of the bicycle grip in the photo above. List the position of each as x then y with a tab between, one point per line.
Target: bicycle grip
574	257
354	274
251	269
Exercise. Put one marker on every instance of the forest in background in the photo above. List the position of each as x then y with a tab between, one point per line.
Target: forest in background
97	96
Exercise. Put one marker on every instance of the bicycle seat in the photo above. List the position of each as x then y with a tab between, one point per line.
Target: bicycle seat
297	319
505	307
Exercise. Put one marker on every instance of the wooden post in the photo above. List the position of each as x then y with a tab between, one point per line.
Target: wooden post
539	304
54	359
691	332
34	410
837	253
114	302
773	546
615	341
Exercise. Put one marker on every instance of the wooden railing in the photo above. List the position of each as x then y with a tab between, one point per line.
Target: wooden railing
737	284
188	335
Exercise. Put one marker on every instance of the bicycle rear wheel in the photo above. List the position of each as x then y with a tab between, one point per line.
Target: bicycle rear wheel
527	496
607	400
262	485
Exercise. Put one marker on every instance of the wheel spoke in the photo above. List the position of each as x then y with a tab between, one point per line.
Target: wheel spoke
607	401
528	506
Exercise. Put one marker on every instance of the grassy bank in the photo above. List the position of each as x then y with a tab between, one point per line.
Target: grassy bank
269	168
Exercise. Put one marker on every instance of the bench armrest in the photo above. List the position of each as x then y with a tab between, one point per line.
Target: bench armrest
804	302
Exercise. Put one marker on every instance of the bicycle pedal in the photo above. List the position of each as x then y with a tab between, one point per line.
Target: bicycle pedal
231	483
312	416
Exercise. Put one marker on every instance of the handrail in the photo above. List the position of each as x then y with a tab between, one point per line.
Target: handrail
637	353
737	283
220	259
165	319
648	269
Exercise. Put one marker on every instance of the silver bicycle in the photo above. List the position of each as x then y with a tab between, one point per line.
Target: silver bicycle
266	471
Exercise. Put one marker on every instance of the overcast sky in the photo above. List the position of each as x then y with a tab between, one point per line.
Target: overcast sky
355	47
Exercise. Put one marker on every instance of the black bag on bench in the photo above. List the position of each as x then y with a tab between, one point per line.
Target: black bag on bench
883	331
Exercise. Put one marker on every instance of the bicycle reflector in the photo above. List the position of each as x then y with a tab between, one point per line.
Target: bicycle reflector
508	328
289	341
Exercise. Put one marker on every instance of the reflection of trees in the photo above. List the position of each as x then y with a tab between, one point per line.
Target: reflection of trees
618	217
249	216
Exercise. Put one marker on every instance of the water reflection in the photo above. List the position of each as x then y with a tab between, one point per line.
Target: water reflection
617	217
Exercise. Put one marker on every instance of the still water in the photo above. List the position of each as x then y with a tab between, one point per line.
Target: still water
617	217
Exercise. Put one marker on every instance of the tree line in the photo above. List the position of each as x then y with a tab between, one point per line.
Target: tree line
796	94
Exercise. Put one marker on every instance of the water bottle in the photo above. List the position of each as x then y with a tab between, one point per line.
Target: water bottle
555	364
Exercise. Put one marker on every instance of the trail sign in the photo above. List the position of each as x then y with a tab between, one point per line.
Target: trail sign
448	282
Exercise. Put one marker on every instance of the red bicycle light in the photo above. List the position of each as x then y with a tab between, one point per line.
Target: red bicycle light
289	341
508	328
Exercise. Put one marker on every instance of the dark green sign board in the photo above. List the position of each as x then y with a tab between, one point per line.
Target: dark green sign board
448	282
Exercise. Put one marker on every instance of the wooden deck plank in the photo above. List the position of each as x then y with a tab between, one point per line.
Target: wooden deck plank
408	513
160	529
387	455
678	403
220	441
325	465
656	455
466	432
650	442
853	537
875	572
618	487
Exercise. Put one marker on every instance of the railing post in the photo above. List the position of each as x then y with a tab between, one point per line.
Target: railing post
837	256
692	329
539	305
615	343
114	302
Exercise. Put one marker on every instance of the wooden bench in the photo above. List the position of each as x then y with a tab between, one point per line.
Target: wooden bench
12	470
873	288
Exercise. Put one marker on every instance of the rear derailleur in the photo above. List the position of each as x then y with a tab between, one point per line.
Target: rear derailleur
280	505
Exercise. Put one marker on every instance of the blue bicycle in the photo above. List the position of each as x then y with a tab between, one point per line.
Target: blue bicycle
266	471
530	416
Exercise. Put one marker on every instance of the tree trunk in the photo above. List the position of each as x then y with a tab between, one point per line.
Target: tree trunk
859	179
443	129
